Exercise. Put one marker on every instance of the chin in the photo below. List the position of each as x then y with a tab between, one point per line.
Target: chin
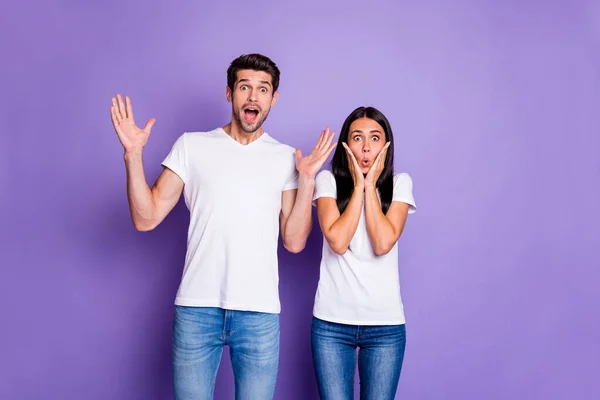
250	127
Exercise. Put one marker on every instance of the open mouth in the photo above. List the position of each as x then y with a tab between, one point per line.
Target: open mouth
250	114
365	163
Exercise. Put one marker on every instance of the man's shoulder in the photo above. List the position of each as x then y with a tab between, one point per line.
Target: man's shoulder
204	134
192	138
277	145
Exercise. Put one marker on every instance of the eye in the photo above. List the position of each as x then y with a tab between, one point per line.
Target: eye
243	87
375	138
357	138
263	90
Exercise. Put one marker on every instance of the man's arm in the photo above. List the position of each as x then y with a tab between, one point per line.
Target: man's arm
296	205
296	214
148	207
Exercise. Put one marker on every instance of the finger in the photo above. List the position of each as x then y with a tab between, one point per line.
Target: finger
348	153
318	144
355	163
324	156
113	116
352	158
121	106
381	162
298	154
378	164
149	125
116	108
381	155
383	152
350	164
331	148
129	108
321	138
327	143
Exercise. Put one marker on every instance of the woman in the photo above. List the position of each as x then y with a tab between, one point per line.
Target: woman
362	208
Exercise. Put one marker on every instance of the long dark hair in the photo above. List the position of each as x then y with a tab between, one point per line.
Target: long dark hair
339	162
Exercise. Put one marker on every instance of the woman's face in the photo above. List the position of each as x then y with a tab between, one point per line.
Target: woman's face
366	138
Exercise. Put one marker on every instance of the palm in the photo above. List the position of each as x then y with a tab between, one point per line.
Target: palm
310	164
377	167
357	175
373	175
130	135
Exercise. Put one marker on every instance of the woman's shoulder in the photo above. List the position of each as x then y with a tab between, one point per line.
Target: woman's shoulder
402	177
325	177
325	173
325	185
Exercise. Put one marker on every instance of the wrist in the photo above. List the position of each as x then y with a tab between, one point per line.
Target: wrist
131	155
306	180
360	187
370	186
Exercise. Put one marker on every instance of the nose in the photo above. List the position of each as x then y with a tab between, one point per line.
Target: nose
366	147
252	95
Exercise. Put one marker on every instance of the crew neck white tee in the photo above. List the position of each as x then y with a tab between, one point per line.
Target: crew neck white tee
233	192
359	287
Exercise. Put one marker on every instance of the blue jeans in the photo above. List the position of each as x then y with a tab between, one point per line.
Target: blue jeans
199	334
380	356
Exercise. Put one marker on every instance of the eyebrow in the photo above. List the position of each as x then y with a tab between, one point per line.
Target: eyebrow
372	131
248	80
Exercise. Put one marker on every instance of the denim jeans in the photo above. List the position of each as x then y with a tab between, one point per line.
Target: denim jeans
380	356
199	335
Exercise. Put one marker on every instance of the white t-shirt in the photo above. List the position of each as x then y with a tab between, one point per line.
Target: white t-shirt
233	192
359	287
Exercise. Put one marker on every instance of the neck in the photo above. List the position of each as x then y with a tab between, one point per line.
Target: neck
234	130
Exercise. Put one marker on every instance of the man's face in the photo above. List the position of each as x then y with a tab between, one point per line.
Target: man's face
251	99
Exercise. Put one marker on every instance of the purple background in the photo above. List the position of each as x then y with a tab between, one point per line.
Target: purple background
495	107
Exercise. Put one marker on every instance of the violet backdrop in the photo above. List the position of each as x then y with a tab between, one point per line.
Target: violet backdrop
495	108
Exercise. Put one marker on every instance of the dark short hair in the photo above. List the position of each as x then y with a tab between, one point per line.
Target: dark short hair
256	62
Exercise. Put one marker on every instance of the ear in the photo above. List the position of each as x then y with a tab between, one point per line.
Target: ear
274	99
228	94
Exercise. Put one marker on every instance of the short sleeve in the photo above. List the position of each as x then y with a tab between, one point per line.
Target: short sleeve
403	191
292	179
325	185
176	160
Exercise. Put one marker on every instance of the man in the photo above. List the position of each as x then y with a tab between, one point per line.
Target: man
241	187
